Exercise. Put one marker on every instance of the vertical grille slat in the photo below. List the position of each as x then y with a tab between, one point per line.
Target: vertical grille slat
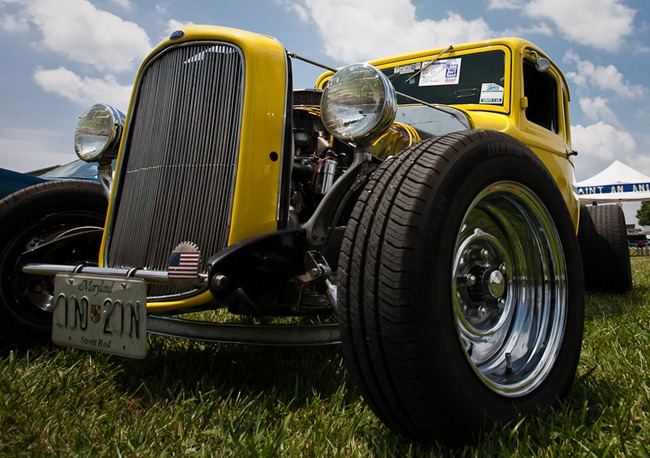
177	179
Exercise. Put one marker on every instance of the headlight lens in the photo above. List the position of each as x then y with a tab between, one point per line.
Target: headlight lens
98	132
358	104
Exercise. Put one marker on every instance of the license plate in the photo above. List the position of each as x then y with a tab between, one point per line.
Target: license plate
107	315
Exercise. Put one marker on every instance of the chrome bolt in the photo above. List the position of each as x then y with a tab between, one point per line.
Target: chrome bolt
503	269
481	312
501	304
508	363
485	254
467	280
219	282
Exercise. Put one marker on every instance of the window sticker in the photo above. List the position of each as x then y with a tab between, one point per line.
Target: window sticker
441	73
404	69
491	93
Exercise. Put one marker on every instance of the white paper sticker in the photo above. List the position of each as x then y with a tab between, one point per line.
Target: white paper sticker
441	72
404	69
491	93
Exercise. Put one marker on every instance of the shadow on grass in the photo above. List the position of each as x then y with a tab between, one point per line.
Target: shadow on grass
176	369
292	377
289	377
611	305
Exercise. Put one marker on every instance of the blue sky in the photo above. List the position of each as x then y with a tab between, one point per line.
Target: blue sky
61	56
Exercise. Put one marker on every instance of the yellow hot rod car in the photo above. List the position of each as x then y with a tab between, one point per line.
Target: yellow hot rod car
421	210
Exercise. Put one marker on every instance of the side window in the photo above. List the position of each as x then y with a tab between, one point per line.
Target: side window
541	91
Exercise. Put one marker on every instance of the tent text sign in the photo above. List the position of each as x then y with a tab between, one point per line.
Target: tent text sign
614	188
617	183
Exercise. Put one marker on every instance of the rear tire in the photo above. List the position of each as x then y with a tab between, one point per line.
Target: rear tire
460	288
605	253
30	218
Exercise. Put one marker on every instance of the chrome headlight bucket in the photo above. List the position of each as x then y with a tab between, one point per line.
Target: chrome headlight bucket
358	104
97	137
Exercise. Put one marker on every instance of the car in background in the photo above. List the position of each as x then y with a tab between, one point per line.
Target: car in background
43	224
12	181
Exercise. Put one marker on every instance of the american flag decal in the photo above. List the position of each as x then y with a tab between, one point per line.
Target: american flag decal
184	264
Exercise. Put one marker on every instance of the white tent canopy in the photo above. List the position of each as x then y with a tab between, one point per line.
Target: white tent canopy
617	183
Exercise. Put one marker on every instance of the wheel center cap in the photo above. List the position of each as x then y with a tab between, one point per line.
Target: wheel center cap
495	284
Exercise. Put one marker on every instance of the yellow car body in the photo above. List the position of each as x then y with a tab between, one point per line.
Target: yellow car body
264	148
262	135
553	147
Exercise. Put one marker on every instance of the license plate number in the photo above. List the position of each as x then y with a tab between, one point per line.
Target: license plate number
107	315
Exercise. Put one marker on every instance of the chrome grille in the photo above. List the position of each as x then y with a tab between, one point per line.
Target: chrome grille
178	177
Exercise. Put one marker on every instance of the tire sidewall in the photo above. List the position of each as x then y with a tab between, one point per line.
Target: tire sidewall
36	210
475	167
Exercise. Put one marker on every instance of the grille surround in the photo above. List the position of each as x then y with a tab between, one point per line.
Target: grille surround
178	168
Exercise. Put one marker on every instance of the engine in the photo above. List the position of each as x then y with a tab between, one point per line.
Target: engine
319	158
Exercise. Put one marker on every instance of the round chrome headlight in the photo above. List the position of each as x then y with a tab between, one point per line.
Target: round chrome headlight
98	132
358	104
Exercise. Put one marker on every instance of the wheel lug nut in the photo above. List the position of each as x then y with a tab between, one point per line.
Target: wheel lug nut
503	269
467	280
485	255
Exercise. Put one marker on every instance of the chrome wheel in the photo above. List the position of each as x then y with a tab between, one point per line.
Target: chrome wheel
54	221
509	289
461	300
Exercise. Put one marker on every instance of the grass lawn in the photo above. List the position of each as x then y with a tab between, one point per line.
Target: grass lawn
193	399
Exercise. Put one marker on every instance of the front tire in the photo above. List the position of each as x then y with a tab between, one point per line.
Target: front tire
31	218
461	295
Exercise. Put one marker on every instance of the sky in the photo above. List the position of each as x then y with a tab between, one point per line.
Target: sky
58	57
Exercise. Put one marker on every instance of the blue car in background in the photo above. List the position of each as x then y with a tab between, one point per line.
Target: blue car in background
11	181
51	212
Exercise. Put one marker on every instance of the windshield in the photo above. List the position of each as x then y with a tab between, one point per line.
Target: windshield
76	169
468	79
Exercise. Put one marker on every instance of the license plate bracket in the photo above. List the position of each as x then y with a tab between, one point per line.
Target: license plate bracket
102	314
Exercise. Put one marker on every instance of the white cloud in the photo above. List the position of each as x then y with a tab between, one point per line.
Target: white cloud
388	27
173	25
596	109
84	91
601	77
126	5
294	7
601	141
528	30
506	4
640	48
32	149
602	24
14	23
84	34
